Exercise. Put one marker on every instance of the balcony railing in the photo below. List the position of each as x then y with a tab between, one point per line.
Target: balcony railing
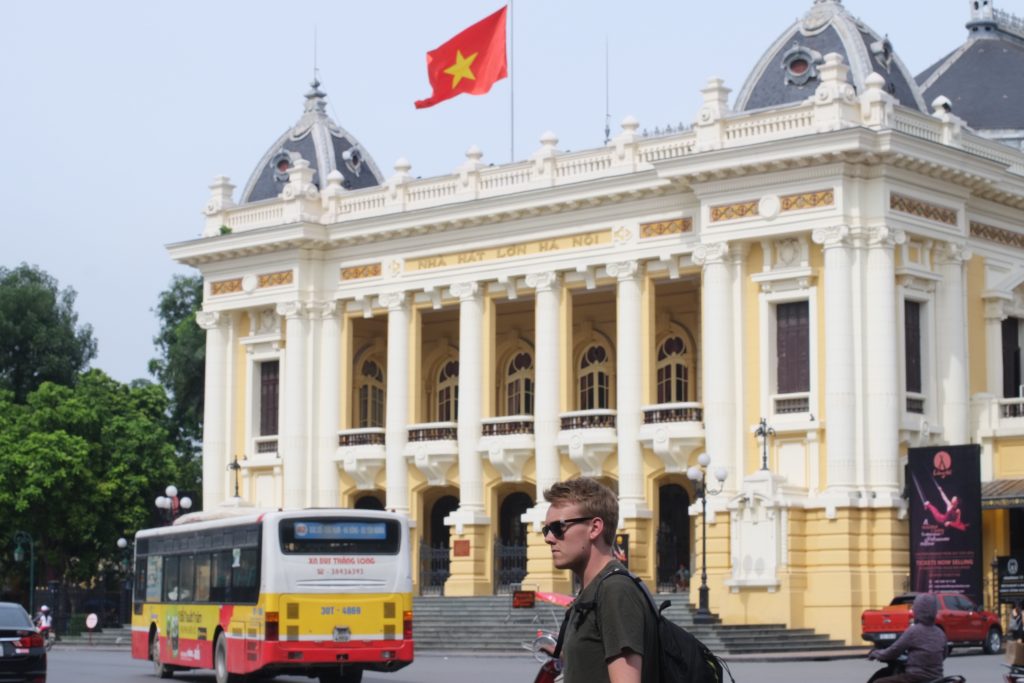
1011	407
786	404
673	412
588	419
434	431
366	436
505	426
265	445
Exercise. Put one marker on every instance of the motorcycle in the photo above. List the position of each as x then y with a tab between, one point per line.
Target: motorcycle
49	637
898	666
541	647
1014	674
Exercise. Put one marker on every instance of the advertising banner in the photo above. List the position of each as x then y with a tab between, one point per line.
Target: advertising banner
945	519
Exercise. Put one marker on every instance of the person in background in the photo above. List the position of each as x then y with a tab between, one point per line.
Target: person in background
1016	630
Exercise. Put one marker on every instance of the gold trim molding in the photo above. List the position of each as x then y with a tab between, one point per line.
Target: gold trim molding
278	279
732	212
226	286
916	207
662	228
362	272
808	200
998	235
583	240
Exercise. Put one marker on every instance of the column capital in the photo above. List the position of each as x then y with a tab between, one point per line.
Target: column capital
885	237
292	309
465	291
832	236
325	310
209	320
624	270
393	301
543	282
712	253
954	253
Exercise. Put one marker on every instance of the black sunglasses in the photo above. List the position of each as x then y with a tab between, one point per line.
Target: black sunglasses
557	529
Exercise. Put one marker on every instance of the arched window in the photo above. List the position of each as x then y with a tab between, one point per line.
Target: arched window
448	392
519	385
594	378
673	371
371	394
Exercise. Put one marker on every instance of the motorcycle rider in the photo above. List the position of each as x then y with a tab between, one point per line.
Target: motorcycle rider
924	643
44	621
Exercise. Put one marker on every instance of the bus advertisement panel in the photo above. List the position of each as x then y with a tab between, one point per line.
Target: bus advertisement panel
325	593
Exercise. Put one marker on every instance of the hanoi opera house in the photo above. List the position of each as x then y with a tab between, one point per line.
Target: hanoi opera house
837	247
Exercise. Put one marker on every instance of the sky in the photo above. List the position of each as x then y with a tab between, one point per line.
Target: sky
118	115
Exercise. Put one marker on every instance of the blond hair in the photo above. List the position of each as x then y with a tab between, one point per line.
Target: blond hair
594	499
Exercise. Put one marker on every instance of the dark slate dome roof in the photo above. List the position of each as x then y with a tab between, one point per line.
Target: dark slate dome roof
788	70
984	77
323	143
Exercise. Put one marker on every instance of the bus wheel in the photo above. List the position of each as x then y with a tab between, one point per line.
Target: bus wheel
220	662
160	669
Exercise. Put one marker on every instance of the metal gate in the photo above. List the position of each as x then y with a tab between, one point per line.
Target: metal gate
435	566
509	566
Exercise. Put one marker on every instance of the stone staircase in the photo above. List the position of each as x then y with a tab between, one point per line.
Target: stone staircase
487	624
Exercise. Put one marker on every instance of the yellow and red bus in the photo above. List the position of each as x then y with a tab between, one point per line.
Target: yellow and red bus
320	592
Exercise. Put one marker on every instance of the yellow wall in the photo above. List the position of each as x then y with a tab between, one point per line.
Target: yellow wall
976	347
752	389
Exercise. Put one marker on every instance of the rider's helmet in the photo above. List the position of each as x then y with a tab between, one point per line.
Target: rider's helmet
44	608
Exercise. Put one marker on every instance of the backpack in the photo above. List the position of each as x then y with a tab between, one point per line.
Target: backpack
682	658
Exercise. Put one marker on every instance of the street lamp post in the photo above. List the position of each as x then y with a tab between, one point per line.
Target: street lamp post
124	615
763	431
20	539
171	504
698	475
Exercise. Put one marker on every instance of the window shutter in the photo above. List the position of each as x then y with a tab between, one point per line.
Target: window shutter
793	347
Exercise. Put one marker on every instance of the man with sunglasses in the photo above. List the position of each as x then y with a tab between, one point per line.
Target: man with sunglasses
610	628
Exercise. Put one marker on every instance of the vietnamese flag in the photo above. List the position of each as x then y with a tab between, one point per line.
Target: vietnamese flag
471	62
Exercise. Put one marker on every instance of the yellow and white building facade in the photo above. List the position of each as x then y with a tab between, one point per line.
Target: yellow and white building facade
846	266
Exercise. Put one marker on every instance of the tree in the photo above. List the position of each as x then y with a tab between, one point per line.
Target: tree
80	466
40	338
181	367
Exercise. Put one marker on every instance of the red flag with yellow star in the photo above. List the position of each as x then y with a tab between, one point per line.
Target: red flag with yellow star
471	62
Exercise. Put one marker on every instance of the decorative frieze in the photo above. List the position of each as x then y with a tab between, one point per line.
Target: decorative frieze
735	211
662	228
922	209
991	233
584	240
278	279
808	200
362	272
231	286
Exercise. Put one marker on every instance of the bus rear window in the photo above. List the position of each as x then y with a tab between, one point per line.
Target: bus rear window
340	536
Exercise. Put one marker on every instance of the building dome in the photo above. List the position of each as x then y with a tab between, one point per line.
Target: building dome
323	143
788	70
984	77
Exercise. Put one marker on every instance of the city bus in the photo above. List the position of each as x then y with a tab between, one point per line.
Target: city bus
318	592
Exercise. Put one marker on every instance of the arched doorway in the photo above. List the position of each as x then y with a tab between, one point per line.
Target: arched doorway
435	562
369	502
510	546
673	535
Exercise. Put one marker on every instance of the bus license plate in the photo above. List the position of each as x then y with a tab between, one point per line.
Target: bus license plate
342	634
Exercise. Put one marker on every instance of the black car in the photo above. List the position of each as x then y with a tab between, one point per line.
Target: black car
23	657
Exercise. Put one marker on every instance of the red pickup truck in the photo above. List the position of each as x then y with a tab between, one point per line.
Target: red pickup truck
964	623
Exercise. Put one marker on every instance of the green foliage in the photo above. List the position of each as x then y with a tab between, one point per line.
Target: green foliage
80	466
181	367
40	339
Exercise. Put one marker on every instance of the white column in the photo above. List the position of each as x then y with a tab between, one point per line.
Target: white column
396	419
328	378
840	401
883	380
215	424
293	444
471	484
629	383
547	382
951	343
717	349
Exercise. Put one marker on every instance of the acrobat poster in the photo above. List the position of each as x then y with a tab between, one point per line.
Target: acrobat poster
944	483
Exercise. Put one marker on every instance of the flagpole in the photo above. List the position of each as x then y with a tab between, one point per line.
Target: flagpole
512	82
